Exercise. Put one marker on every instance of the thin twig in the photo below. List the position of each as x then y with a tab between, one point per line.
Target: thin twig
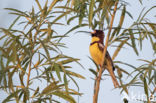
29	73
153	92
98	79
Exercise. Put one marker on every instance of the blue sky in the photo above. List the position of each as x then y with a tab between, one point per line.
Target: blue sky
78	46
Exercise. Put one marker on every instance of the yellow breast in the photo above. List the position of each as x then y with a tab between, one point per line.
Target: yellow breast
95	53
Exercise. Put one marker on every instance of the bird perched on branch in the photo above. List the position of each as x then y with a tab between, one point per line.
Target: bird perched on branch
96	51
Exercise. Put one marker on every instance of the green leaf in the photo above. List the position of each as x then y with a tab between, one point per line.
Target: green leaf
146	89
133	42
76	27
119	48
71	19
51	87
66	83
64	96
147	12
59	17
93	71
11	96
91	10
121	20
155	76
18	12
74	82
122	70
73	92
14	22
120	62
68	61
57	69
74	74
53	3
36	91
38	4
125	100
46	50
140	2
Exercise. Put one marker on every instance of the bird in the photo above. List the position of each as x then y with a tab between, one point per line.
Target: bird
96	49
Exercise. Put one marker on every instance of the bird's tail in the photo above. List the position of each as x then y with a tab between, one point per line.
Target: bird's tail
110	69
115	82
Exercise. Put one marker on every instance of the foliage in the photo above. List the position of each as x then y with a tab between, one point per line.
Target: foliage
33	53
33	56
97	14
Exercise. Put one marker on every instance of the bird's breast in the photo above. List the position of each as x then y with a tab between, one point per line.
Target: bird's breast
96	53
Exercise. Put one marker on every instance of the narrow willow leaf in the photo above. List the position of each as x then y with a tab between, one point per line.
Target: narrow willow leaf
44	10
51	87
155	76
2	37
21	75
67	8
133	42
140	2
73	92
6	100
146	89
71	19
68	61
119	73
18	11
147	61
74	74
113	34
46	50
38	4
122	70
57	69
132	66
59	17
21	94
76	27
26	95
66	83
91	10
139	18
14	22
119	48
125	100
129	14
121	20
10	76
36	91
64	96
74	82
147	12
93	71
52	5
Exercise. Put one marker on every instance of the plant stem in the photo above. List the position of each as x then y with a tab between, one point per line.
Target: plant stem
98	78
29	73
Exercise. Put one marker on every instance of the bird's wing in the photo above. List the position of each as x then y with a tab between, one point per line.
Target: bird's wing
101	46
108	57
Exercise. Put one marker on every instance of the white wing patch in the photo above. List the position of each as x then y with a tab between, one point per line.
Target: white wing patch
101	45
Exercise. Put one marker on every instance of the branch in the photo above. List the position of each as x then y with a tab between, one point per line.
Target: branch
95	97
29	73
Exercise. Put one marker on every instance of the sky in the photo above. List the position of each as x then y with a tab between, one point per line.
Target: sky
78	47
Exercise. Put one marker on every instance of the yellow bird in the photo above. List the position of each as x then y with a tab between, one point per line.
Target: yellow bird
96	50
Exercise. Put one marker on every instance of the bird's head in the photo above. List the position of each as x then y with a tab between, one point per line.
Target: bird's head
99	34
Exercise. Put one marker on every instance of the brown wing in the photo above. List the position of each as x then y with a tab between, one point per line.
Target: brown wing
101	47
110	60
